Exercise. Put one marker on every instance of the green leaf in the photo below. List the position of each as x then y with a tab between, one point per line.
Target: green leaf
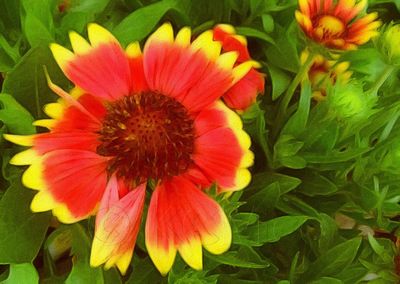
280	81
21	231
379	249
14	116
333	261
327	280
250	32
141	22
246	257
36	32
27	82
144	272
22	273
81	271
273	230
38	21
267	188
315	184
89	6
328	232
268	23
298	121
284	53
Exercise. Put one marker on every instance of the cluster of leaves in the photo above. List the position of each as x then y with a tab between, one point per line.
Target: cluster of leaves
323	206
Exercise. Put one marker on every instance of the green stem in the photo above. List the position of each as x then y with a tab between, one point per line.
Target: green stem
287	97
382	78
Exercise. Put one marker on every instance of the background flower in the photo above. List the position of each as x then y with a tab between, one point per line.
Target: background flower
337	25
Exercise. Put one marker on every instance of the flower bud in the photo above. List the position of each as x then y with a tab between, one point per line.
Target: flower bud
350	102
388	43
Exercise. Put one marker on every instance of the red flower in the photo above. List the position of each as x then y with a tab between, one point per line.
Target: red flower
135	118
244	93
336	25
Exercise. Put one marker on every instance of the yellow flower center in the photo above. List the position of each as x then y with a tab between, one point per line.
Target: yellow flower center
329	27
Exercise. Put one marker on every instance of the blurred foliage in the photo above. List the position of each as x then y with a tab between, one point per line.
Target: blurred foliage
323	206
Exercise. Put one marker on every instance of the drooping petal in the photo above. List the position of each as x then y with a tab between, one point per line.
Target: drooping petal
117	225
88	67
183	218
74	180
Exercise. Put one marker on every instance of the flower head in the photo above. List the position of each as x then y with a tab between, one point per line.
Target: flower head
137	118
388	44
244	93
349	102
337	25
324	72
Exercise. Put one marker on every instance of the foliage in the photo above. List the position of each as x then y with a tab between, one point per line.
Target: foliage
323	205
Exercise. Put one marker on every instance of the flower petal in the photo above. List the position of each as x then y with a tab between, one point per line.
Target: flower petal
117	226
88	67
244	93
74	179
183	217
222	148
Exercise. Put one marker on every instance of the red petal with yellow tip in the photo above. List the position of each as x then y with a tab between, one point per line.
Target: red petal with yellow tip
182	218
244	93
72	175
117	225
107	60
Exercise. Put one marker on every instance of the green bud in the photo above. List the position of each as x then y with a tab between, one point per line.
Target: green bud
388	44
348	101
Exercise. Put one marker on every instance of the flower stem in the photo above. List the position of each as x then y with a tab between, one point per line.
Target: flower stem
287	97
382	78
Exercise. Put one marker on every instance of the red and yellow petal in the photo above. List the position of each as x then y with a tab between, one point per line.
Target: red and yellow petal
222	148
196	74
226	34
70	182
244	93
90	63
117	225
183	218
137	81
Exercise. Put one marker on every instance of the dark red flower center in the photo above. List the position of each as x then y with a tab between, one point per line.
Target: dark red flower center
148	136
